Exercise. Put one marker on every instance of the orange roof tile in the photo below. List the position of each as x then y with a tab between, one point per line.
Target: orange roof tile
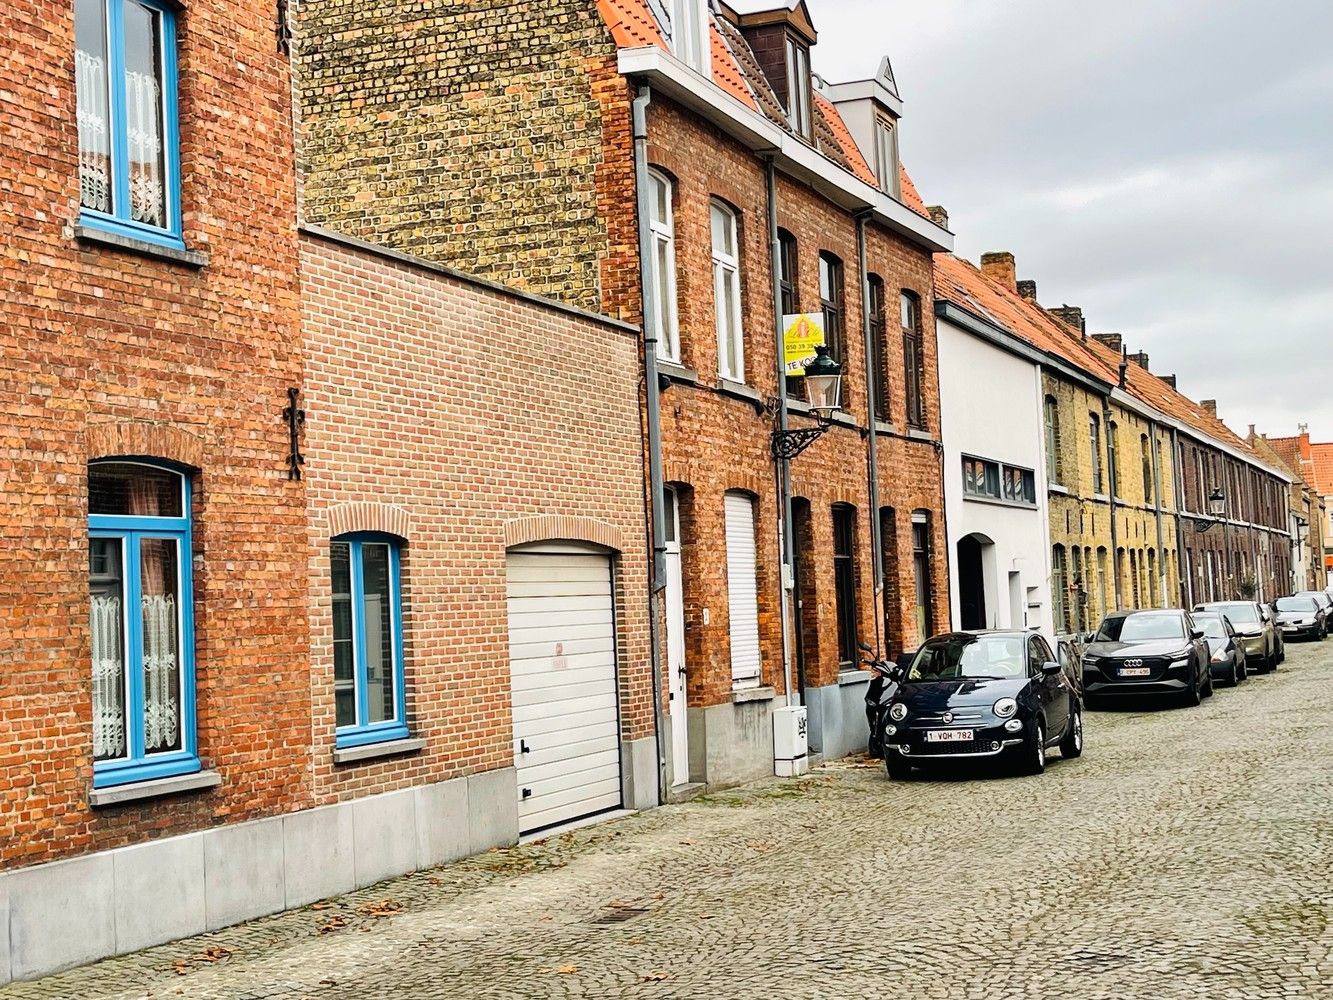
1323	467
851	152
632	24
727	71
910	197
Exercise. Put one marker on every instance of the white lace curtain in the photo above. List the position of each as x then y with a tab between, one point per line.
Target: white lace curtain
108	679
143	126
143	133
94	131
161	696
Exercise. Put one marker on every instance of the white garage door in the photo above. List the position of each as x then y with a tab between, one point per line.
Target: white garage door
562	655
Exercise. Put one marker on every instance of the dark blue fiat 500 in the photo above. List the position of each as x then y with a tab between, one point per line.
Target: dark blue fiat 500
971	696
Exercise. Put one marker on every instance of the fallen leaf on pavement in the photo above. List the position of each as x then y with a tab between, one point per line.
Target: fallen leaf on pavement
214	953
380	908
181	966
655	977
635	941
687	843
332	924
567	970
320	906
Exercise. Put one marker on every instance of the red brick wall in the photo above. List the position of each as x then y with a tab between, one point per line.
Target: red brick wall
714	442
103	353
463	411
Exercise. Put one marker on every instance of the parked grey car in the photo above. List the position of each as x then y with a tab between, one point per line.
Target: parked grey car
1258	632
1301	617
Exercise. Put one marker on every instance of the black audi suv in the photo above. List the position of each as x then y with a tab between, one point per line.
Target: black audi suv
1147	654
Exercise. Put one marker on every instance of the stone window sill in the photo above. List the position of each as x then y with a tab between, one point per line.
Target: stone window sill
919	434
677	373
884	427
1057	488
200	780
374	751
190	258
744	695
740	391
1000	501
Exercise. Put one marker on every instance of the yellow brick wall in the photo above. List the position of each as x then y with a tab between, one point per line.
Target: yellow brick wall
1080	514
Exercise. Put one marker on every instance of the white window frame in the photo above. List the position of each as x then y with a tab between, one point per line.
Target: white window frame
727	275
800	114
664	285
690	34
886	156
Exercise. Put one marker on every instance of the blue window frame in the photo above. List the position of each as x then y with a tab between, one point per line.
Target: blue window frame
129	141
369	692
142	623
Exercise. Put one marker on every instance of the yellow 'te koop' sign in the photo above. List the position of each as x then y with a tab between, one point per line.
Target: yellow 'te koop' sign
801	334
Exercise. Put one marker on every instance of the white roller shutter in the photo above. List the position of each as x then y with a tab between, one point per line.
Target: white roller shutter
562	655
742	599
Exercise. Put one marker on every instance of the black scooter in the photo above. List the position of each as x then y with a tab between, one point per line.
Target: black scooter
885	677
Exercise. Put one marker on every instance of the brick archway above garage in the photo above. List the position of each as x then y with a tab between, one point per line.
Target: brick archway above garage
567	527
141	439
348	518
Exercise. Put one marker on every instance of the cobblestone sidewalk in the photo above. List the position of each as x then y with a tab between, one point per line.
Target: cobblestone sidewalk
1188	854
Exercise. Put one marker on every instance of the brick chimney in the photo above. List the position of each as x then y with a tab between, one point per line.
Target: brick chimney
938	215
1209	405
1072	317
1112	340
1027	290
998	265
1169	380
1140	359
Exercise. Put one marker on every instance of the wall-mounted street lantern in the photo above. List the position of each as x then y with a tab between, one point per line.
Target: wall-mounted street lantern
1217	507
823	389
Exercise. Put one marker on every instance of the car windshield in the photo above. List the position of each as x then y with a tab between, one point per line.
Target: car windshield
1211	625
1238	613
986	656
1295	604
1141	628
1315	596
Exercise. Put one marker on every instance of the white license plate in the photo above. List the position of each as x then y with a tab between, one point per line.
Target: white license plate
949	736
1135	672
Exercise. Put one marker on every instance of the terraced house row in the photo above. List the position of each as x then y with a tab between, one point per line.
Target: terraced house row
406	452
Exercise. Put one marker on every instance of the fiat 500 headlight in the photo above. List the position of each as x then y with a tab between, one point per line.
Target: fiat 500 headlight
897	711
1005	707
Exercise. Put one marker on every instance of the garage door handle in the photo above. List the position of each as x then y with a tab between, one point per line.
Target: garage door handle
527	793
523	746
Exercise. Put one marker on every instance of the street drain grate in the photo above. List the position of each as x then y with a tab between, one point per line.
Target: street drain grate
619	915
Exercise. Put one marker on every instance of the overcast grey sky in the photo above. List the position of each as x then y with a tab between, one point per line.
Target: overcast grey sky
1165	164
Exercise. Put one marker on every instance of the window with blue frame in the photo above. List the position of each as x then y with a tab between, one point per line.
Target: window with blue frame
125	87
369	694
142	623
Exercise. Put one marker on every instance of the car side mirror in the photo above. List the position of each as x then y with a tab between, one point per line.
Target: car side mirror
1195	634
1050	668
1089	637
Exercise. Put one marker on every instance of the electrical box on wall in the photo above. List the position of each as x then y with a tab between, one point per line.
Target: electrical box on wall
791	744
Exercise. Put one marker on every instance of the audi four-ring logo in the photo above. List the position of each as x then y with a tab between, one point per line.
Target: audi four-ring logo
1133	663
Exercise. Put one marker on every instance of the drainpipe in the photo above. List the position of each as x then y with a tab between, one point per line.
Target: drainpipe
1157	510
872	471
786	537
653	403
1178	485
1111	458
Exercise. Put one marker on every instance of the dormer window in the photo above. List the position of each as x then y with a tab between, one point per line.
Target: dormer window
886	155
689	33
798	87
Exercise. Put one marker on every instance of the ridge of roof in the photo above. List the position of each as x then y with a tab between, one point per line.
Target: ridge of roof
1030	322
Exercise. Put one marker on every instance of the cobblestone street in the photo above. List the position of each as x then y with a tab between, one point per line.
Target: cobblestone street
1189	853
